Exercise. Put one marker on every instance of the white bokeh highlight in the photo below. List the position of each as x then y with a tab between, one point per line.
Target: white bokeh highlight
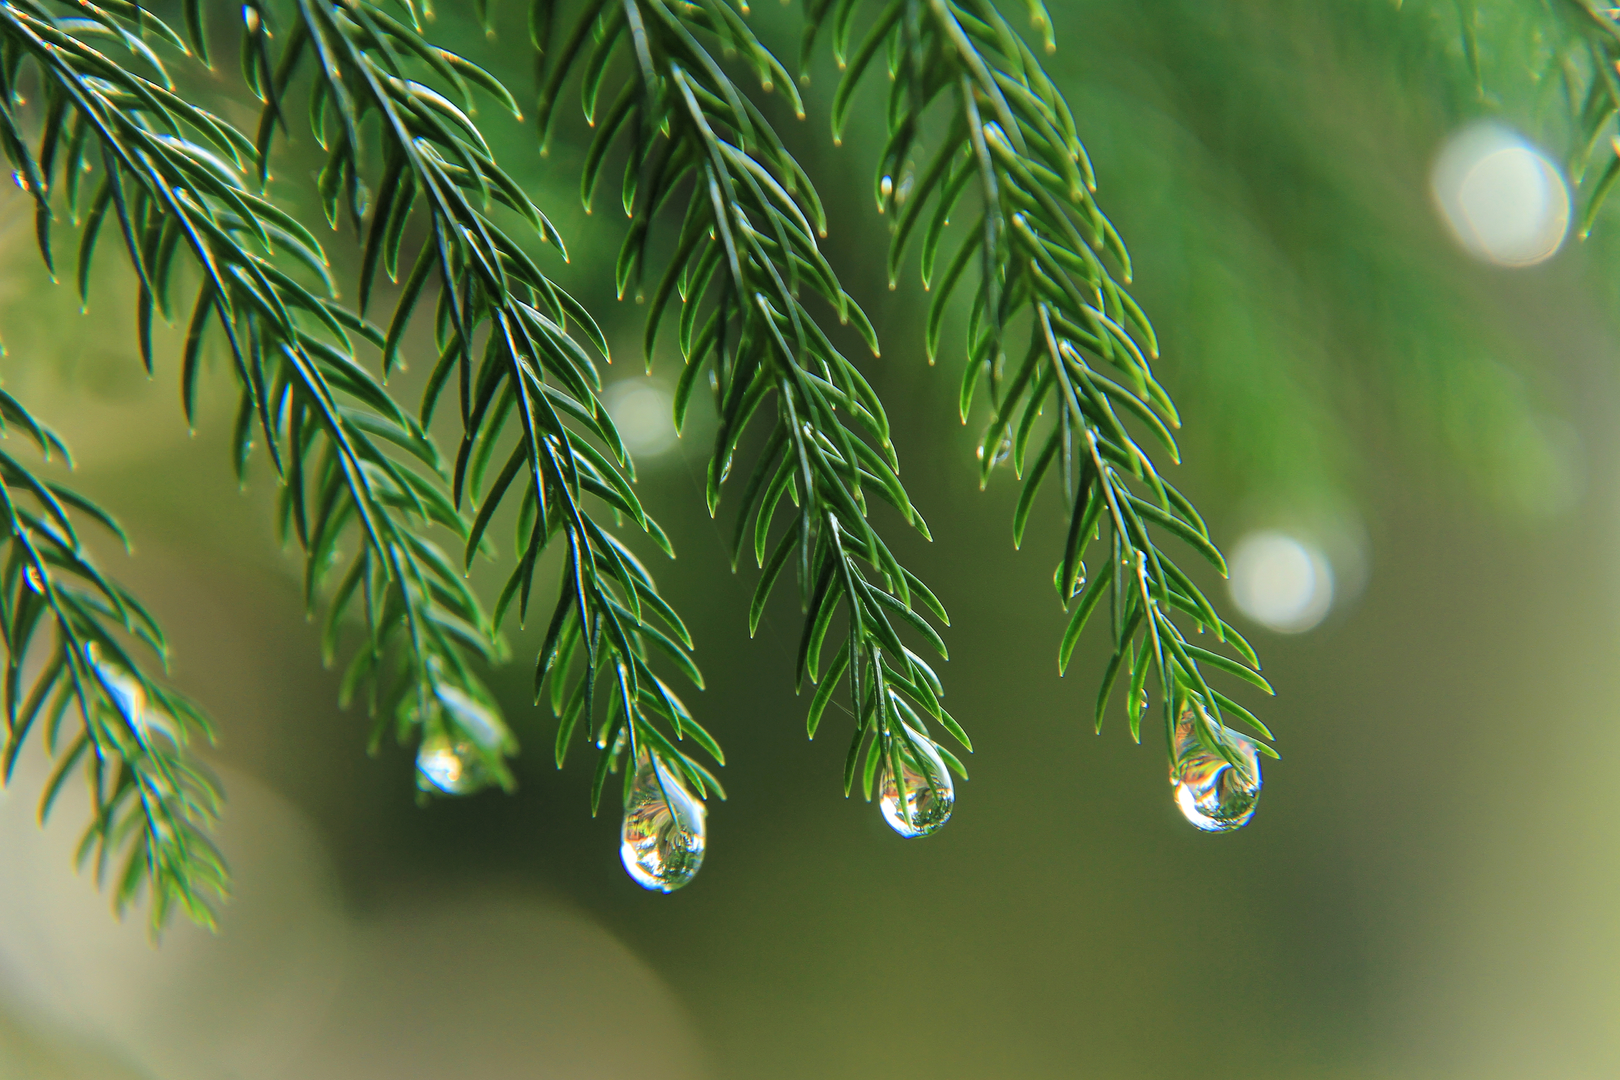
643	410
1281	582
1504	200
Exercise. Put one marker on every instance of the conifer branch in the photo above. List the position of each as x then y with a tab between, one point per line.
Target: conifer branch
64	623
115	143
745	254
1047	261
517	346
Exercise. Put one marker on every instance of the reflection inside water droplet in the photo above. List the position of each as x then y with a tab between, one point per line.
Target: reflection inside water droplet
448	766
126	695
929	794
664	829
1212	793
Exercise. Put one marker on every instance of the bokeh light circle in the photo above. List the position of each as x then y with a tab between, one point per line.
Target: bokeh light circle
1281	582
643	410
1505	202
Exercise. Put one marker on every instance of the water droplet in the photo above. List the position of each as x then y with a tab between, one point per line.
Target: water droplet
126	695
32	579
1213	794
460	735
930	795
125	691
250	17
886	186
448	766
17	178
664	831
907	182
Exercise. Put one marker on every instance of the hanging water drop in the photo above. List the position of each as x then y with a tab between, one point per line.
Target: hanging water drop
930	795
886	186
664	831
448	766
463	741
1212	793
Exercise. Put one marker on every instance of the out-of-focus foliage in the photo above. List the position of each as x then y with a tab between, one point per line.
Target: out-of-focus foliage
1288	245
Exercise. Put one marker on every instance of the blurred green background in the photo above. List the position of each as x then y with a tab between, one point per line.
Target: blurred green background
1426	890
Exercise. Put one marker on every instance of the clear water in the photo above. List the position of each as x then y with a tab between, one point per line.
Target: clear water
664	829
929	794
1211	793
447	766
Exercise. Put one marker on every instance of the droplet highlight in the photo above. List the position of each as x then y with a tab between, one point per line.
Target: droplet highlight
929	793
664	830
1211	792
463	741
448	766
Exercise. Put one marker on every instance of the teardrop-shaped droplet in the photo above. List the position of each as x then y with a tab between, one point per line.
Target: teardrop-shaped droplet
929	796
1212	793
448	766
664	830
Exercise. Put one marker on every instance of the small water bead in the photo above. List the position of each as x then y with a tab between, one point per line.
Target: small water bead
448	766
664	830
461	736
930	795
1212	794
